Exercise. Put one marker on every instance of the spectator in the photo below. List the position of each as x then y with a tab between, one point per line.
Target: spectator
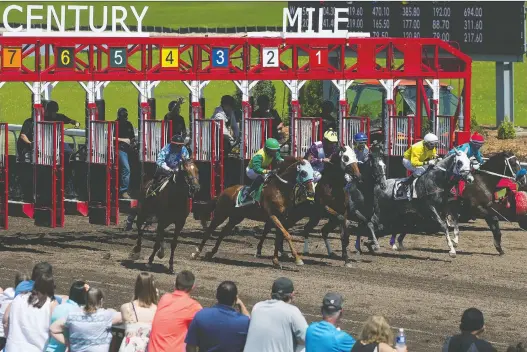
174	115
265	111
376	336
126	139
6	297
24	141
175	312
26	320
276	324
518	348
472	326
77	298
325	335
139	314
328	120
225	113
88	329
38	270
220	328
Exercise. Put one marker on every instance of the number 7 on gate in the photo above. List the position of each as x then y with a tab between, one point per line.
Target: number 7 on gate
170	57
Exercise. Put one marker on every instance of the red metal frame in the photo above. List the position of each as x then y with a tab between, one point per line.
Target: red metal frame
4	176
111	164
49	160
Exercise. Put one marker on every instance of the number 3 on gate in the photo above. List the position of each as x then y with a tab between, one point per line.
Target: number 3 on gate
220	57
170	57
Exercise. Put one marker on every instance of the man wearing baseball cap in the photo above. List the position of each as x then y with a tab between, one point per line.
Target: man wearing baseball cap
472	326
276	324
325	335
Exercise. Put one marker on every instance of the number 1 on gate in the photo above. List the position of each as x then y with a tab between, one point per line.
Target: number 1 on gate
170	57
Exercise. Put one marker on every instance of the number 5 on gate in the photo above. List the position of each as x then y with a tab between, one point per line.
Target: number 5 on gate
170	57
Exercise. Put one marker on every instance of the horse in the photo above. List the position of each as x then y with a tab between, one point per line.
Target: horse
277	196
333	173
478	198
170	206
427	199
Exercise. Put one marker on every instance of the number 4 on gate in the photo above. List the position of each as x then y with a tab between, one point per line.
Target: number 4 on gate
170	57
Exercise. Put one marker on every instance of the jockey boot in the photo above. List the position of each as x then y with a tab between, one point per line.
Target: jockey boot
404	185
255	185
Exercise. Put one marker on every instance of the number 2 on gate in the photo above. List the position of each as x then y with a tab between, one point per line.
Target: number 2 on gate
170	57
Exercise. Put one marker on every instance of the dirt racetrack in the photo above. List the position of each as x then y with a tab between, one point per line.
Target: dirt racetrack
421	289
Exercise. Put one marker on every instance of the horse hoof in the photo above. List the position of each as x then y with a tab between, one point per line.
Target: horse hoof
333	256
134	255
161	252
194	255
305	253
455	244
299	262
348	265
258	254
171	271
394	247
276	264
452	254
500	251
148	266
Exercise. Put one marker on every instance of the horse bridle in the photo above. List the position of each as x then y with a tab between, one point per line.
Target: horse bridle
507	165
189	179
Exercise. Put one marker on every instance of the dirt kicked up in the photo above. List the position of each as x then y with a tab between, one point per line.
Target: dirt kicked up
422	289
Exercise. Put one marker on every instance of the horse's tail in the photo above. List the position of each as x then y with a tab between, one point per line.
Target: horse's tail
200	208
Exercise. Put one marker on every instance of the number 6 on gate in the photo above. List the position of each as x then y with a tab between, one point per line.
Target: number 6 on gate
65	58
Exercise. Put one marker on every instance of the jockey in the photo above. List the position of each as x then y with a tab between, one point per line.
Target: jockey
170	157
321	152
360	148
419	155
257	168
472	148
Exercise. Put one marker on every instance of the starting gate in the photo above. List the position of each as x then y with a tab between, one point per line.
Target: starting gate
352	125
49	169
401	134
208	150
4	175
306	131
156	134
103	167
444	130
256	131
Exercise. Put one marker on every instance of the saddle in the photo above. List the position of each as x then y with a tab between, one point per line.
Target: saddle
246	198
402	191
156	187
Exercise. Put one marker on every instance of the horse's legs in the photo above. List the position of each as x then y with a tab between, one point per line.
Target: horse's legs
326	229
159	245
267	228
437	219
455	218
135	254
345	240
216	221
224	232
494	225
399	246
177	231
287	236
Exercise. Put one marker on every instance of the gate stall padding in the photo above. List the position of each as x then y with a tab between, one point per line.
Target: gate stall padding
4	175
49	171
208	152
444	130
156	135
256	131
306	131
103	170
352	125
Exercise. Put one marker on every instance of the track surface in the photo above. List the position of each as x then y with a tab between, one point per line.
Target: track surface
421	289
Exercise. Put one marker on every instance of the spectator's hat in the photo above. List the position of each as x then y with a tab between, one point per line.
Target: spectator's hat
283	285
332	302
472	320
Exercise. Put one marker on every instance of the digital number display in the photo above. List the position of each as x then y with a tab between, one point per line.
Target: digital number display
477	28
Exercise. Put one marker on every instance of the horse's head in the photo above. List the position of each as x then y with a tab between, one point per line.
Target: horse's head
304	180
348	161
378	168
506	164
462	167
191	176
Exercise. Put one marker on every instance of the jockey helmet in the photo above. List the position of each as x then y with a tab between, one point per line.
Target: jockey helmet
177	139
272	144
360	137
122	113
52	106
331	136
431	140
477	140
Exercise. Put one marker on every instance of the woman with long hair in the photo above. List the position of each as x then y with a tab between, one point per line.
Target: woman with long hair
27	319
139	314
89	329
376	336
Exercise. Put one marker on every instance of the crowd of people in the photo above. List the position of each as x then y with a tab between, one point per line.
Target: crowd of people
35	318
